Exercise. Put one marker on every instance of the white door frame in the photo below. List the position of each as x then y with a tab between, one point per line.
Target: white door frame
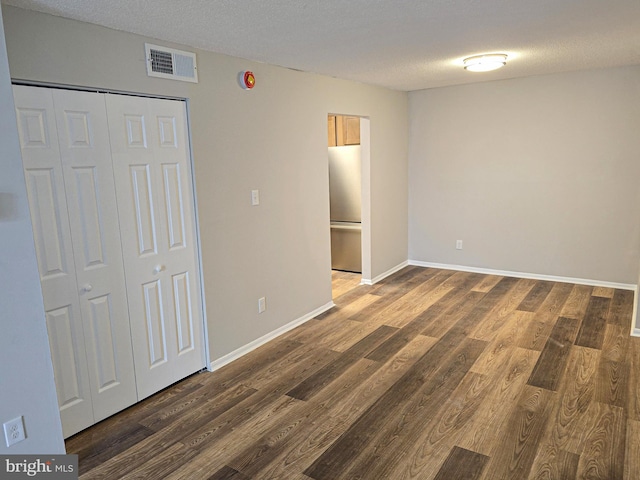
365	158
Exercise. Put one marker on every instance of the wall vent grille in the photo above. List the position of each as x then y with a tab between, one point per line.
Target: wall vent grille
166	62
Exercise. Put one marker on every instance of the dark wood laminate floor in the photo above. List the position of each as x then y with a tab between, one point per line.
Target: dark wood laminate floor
430	374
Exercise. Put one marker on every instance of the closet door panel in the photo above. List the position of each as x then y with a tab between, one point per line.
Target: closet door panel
151	166
174	201
90	190
62	335
145	224
54	251
184	312
170	139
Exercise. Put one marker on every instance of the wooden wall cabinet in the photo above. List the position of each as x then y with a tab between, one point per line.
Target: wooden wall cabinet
343	130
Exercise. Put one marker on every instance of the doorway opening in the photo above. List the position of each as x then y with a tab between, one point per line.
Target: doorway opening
349	198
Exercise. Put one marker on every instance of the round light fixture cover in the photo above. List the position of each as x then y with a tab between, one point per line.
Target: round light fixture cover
486	62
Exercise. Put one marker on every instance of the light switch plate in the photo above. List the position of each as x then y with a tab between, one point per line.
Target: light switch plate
262	304
255	197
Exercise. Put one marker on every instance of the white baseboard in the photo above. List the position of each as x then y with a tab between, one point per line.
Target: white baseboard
230	357
533	276
391	271
635	331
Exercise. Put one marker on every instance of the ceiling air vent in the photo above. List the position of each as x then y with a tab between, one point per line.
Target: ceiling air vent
166	62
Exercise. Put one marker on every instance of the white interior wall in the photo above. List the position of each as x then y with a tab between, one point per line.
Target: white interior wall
26	375
272	138
536	175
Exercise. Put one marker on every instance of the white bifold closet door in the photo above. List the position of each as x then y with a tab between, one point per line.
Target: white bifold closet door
67	162
150	150
109	186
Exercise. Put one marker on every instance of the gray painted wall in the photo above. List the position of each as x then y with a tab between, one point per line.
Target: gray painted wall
272	138
26	375
536	175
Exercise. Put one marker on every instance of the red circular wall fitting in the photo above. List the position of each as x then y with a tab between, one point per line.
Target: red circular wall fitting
248	80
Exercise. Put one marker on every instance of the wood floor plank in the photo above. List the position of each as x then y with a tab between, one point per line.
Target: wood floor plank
487	283
94	439
289	364
405	280
462	463
616	342
621	309
560	464
603	453
258	409
553	360
398	312
427	406
502	347
632	450
514	455
118	441
633	392
277	441
343	411
577	302
339	458
408	332
488	329
476	307
261	452
536	335
345	311
129	460
440	325
346	411
163	464
430	448
352	333
490	420
611	383
316	382
591	332
163	417
605	292
330	324
421	376
574	398
391	292
244	367
212	416
228	473
537	295
216	445
343	282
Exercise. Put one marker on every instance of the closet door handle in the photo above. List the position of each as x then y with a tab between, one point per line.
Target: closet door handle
87	287
157	269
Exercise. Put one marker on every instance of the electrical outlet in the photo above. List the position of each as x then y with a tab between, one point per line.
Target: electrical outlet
458	244
262	304
14	431
255	197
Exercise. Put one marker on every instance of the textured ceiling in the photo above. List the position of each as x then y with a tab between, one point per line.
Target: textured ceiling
400	44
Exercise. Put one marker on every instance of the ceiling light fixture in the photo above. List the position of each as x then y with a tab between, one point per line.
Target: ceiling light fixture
485	63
